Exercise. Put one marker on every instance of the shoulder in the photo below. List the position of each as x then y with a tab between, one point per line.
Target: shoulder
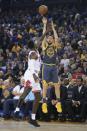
84	88
16	87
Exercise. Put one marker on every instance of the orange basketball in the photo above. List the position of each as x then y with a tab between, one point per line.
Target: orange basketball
43	9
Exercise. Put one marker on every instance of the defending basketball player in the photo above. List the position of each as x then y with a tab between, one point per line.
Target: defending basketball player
31	83
50	45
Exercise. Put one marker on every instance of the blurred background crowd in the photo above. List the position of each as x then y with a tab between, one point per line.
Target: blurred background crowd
19	28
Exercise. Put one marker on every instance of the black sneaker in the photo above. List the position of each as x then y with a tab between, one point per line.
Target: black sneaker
34	123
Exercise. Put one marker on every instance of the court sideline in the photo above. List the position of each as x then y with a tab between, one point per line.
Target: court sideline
45	126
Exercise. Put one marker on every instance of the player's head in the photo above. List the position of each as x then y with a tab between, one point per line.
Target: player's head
33	55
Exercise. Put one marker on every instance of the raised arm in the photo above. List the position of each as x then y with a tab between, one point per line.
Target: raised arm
44	20
57	44
42	39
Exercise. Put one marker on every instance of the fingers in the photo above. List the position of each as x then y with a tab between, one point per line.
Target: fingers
44	20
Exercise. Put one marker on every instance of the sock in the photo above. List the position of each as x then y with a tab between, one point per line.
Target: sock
33	116
17	109
58	99
44	100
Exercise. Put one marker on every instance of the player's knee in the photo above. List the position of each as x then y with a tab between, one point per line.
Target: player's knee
37	96
57	85
45	84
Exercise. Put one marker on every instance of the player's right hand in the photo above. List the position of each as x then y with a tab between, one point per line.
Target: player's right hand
44	20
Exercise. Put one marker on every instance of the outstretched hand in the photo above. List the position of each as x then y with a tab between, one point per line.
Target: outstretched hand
44	20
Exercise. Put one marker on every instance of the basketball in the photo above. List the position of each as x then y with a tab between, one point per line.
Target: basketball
43	9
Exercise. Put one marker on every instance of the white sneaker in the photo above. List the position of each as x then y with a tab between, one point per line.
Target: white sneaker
17	109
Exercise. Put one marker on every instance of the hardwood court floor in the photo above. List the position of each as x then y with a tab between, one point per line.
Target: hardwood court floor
45	126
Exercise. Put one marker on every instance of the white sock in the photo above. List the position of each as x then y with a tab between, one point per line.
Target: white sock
17	109
33	116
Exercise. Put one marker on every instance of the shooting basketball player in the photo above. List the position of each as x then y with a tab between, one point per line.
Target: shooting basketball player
50	45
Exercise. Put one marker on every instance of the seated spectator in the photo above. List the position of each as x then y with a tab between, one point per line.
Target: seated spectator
12	101
69	94
16	48
67	73
76	101
6	94
65	61
78	73
66	92
79	101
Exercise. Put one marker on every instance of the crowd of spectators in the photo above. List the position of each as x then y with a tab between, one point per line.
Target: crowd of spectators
17	29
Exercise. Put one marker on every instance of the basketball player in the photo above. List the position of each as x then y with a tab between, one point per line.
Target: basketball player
31	83
50	45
